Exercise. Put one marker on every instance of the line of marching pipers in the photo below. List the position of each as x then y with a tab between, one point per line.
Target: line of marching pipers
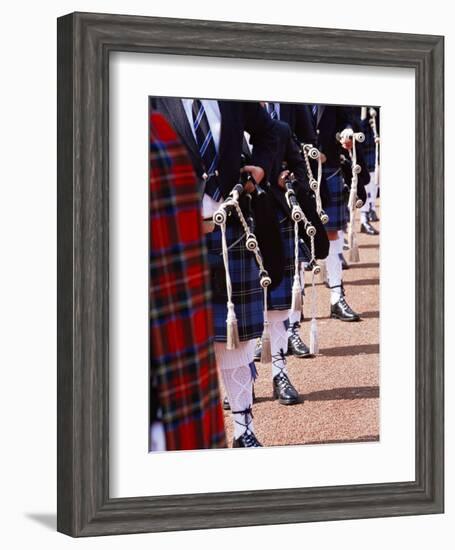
278	185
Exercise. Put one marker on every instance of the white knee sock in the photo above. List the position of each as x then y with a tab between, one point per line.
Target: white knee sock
238	384
340	241
334	271
278	341
373	191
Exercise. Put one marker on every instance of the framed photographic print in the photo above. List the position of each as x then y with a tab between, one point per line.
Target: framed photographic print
250	285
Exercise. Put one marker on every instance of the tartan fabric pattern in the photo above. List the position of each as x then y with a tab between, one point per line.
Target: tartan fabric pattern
368	146
182	360
247	294
337	209
281	297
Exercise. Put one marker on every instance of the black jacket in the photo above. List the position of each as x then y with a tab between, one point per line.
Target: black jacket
299	118
236	117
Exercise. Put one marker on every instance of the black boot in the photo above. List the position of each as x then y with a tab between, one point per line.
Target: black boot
247	439
372	216
283	390
367	228
342	311
296	346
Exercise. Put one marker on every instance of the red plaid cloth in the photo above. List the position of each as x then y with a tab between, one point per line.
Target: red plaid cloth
182	361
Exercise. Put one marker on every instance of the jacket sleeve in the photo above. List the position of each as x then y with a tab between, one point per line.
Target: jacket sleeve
262	136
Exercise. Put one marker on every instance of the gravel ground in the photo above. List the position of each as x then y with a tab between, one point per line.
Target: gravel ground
339	388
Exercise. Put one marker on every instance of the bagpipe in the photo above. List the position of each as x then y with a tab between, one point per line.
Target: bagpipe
250	215
357	193
300	219
310	152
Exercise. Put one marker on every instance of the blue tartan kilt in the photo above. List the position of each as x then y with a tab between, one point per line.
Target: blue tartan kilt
369	153
337	209
247	293
281	297
368	146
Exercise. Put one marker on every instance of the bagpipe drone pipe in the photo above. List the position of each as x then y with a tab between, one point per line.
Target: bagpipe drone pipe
264	225
264	244
309	228
363	177
359	177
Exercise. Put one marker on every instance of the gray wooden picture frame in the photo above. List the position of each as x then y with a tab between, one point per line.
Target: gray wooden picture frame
85	41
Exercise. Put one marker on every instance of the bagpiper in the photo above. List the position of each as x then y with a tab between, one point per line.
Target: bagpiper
302	236
330	122
298	117
304	240
212	132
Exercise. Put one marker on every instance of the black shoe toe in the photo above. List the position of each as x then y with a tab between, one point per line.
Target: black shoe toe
372	216
247	440
284	391
296	345
367	228
342	311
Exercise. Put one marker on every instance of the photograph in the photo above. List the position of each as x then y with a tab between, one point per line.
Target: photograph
264	273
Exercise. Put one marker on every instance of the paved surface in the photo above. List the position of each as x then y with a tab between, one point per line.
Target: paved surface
340	387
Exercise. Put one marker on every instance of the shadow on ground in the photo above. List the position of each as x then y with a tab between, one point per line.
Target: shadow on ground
362	392
358	349
362	282
364	266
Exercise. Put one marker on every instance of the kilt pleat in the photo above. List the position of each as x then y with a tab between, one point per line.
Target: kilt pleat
337	209
281	297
